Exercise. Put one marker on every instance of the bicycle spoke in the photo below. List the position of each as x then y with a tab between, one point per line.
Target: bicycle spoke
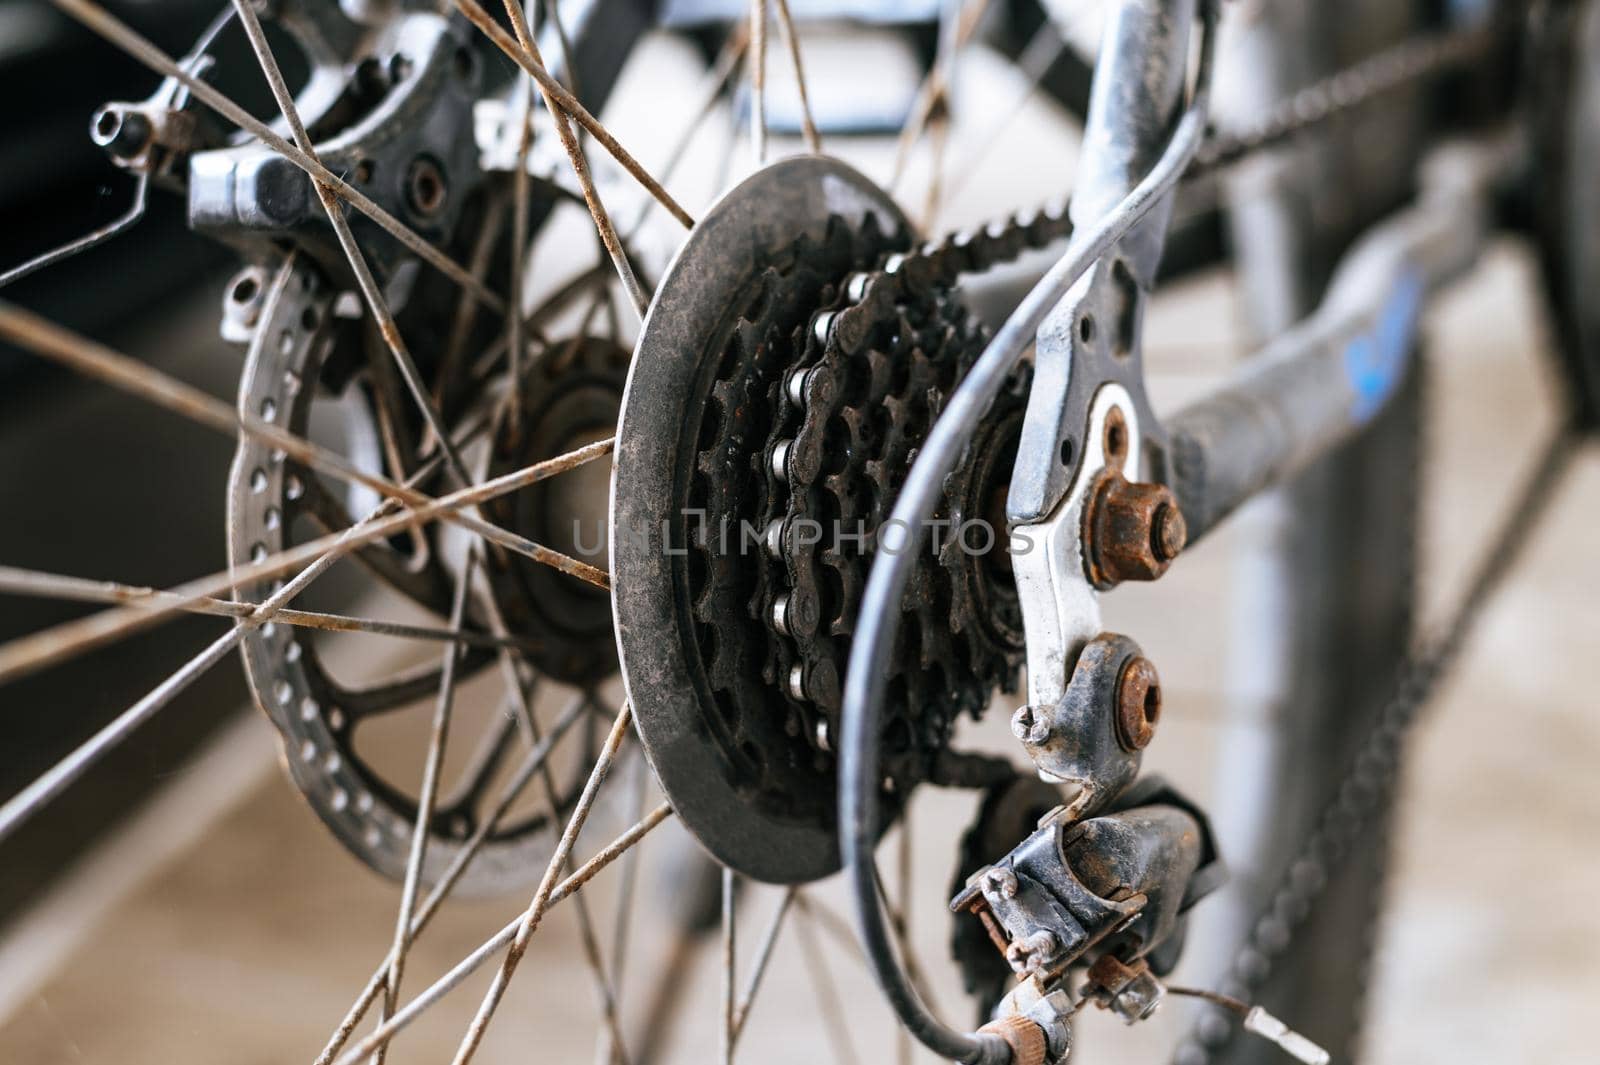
729	1010
829	1007
580	166
27	654
39	584
931	94
713	85
569	104
769	940
758	80
118	33
589	941
95	360
522	190
46	787
437	737
501	939
541	899
509	794
30	799
621	919
792	39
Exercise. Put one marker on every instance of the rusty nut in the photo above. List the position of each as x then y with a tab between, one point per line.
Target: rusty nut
1132	531
1138	704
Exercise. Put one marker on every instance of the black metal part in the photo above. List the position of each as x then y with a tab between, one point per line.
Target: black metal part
1076	740
807	396
701	297
572	395
1117	883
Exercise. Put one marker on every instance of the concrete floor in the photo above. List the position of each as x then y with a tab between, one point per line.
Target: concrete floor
247	940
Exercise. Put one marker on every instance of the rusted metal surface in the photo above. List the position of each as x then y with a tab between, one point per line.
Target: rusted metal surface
1132	531
1025	1038
1138	704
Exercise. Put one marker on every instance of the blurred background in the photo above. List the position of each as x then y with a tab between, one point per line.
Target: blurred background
181	902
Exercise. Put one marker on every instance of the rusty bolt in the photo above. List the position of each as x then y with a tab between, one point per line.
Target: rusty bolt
1025	1038
1138	704
1170	534
1132	531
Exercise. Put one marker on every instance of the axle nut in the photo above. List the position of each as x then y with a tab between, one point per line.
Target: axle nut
1138	704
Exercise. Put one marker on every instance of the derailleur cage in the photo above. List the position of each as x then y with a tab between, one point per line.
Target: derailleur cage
1109	891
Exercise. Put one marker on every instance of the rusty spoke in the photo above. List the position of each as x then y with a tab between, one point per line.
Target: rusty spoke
580	165
46	787
438	735
792	40
512	790
505	937
27	654
933	94
97	361
758	80
529	923
38	584
570	105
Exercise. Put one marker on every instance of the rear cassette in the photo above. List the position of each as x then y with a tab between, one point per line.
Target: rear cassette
758	456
